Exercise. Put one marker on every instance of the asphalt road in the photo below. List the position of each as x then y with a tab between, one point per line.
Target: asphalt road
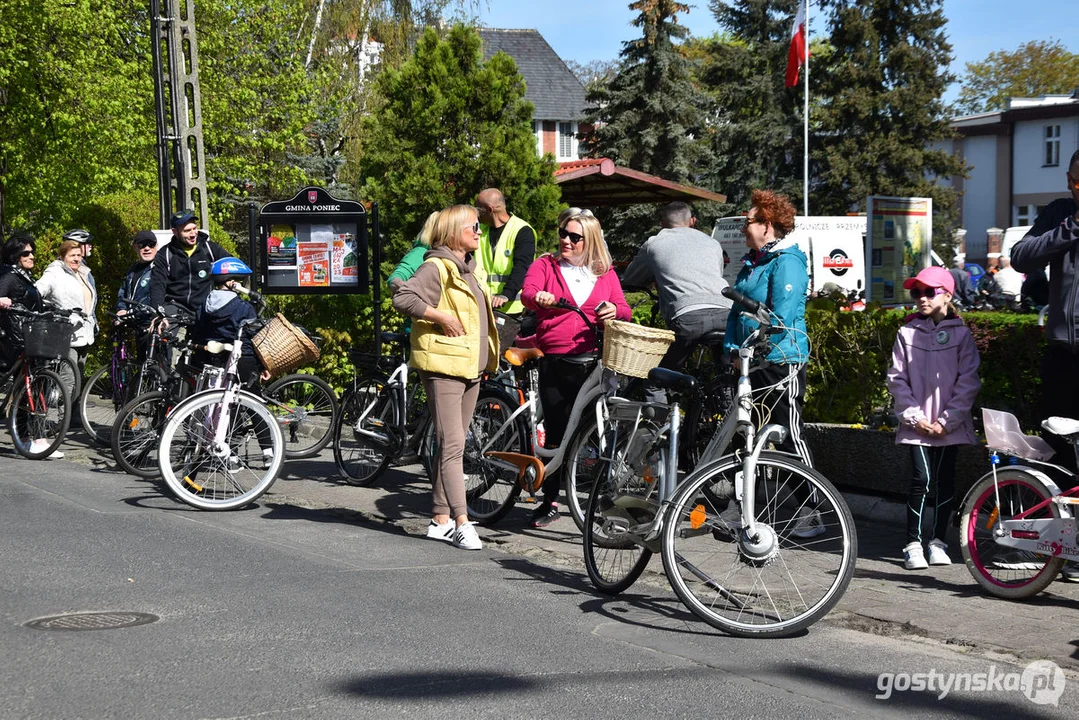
294	612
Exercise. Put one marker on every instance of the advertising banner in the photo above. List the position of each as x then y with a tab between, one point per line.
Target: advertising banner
898	243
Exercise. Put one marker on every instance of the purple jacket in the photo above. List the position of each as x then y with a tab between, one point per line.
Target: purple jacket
934	376
562	332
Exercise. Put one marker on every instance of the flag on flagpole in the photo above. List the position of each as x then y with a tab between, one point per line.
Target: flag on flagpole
797	54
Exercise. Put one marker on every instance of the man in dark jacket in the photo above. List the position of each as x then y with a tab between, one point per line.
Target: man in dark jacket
180	274
136	286
1053	241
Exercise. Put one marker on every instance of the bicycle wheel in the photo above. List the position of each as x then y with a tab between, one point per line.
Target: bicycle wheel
772	585
491	489
703	417
101	398
364	438
226	476
136	433
621	508
306	407
1003	571
39	413
582	467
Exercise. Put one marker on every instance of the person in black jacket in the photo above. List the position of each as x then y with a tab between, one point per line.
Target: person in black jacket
1053	241
180	273
16	289
136	287
221	315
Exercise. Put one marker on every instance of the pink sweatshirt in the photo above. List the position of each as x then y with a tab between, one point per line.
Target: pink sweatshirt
559	331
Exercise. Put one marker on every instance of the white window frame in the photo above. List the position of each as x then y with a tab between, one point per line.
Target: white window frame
1022	215
1052	146
572	139
537	131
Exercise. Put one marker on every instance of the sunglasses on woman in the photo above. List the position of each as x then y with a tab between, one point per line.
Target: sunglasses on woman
573	237
918	293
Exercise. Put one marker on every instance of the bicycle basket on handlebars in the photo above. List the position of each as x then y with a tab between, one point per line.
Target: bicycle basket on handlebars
508	328
633	350
47	338
281	348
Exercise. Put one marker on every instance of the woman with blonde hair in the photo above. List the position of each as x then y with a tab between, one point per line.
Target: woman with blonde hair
580	273
453	341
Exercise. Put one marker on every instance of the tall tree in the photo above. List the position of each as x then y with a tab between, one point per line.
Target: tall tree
1038	67
756	138
76	106
649	116
883	111
449	126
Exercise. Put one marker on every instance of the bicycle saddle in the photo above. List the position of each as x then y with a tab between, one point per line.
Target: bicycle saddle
671	380
519	356
1067	428
394	338
712	338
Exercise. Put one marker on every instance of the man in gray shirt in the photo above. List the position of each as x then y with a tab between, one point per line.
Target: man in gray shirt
687	267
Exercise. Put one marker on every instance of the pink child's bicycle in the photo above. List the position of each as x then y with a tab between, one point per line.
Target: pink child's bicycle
1017	528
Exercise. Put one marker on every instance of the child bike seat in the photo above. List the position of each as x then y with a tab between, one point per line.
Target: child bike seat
1002	432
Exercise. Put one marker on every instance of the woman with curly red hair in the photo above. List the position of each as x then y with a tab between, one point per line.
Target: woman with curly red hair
776	274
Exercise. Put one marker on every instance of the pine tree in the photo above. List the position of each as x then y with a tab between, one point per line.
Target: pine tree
451	125
649	117
757	138
883	85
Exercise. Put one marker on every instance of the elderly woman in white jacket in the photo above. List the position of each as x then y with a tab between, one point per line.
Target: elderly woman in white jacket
65	285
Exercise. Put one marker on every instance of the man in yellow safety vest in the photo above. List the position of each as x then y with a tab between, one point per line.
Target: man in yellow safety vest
507	248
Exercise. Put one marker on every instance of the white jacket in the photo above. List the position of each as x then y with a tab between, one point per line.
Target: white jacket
60	288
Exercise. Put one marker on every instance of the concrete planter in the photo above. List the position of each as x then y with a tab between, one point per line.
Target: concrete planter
861	460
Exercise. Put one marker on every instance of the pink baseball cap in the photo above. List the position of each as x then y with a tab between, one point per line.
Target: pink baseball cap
933	276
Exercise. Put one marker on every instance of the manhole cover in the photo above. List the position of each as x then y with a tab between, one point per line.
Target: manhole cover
92	621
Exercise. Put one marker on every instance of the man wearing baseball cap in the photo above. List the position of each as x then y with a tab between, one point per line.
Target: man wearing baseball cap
180	273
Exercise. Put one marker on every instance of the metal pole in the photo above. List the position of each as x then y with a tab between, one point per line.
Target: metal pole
164	178
376	276
805	120
252	245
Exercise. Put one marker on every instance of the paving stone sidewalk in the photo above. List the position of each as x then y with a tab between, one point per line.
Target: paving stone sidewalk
942	604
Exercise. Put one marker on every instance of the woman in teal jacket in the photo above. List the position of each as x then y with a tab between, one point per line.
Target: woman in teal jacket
777	276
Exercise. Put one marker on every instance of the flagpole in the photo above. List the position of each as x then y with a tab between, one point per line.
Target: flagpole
805	119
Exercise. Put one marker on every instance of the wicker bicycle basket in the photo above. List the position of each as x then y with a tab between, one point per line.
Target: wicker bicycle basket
47	338
633	350
282	348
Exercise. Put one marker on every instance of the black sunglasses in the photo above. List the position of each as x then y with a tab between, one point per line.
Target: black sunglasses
573	237
145	244
932	292
26	253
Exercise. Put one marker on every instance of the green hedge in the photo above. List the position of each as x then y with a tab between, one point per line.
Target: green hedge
851	352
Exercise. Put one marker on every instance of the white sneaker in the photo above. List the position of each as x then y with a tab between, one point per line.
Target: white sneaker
808	524
938	553
441	532
466	537
40	446
914	557
267	459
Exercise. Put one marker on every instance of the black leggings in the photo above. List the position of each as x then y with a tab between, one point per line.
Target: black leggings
931	463
560	378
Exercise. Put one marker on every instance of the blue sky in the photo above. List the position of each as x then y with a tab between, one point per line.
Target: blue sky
586	30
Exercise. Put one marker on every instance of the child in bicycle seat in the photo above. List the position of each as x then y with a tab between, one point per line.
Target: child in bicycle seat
220	316
934	381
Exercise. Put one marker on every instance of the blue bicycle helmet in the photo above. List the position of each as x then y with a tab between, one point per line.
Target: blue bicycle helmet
230	268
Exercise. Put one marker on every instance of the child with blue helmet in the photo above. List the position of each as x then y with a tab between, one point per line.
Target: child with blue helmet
221	314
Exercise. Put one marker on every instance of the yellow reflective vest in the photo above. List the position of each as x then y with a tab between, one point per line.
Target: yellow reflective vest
436	352
493	267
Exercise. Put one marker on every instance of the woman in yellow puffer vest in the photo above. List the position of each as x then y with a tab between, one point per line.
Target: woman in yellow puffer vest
453	341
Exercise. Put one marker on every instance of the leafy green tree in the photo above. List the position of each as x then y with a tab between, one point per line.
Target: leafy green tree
449	126
76	106
649	116
757	126
882	109
1037	67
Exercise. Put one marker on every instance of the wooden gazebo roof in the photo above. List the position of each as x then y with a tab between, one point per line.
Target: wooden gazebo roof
597	182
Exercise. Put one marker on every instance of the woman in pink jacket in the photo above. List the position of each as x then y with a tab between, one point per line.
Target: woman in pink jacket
580	273
934	381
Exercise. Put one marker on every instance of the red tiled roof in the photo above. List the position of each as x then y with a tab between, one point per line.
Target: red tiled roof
594	182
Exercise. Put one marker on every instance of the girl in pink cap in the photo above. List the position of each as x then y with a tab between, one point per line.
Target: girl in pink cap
934	380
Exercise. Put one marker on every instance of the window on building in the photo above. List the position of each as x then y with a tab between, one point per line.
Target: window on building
567	140
1052	145
537	131
1022	215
